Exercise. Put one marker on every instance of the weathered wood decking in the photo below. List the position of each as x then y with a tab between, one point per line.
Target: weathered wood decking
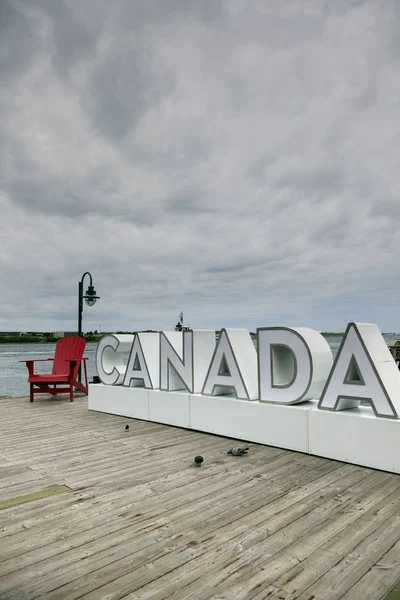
140	522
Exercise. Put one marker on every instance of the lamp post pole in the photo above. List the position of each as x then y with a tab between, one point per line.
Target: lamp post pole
80	309
90	298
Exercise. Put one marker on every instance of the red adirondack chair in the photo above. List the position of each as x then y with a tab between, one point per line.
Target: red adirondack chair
63	378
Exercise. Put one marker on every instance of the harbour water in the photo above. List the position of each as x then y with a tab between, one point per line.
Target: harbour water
14	374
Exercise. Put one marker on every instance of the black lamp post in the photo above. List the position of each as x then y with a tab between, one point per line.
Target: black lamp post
90	298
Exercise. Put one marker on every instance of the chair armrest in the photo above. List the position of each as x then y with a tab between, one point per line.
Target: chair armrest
32	360
30	364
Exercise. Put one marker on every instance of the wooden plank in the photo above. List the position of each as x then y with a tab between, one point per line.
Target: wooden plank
382	575
182	549
23	475
156	533
394	593
270	593
28	487
260	561
171	503
44	493
337	565
171	481
10	471
168	480
143	523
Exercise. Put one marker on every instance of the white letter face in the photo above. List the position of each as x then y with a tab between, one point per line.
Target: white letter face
233	367
176	360
363	370
110	352
142	369
293	364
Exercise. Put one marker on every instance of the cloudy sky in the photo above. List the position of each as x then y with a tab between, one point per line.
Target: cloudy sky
235	159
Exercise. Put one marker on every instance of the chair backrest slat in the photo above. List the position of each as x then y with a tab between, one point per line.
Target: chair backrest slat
66	349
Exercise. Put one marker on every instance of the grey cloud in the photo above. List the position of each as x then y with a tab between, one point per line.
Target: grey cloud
190	204
336	230
121	89
237	160
257	170
236	268
320	180
154	13
75	32
18	42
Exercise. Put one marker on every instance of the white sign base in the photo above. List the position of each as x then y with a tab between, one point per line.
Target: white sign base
119	400
355	435
272	424
171	408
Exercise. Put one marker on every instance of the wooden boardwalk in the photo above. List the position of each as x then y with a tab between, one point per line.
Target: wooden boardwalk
138	521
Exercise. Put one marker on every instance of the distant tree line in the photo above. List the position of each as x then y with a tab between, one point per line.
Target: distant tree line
47	337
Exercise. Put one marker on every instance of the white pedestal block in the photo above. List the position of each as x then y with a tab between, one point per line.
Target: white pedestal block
171	408
253	421
356	436
119	400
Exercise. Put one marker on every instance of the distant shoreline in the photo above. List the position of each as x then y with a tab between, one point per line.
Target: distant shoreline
5	339
26	339
332	333
38	340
